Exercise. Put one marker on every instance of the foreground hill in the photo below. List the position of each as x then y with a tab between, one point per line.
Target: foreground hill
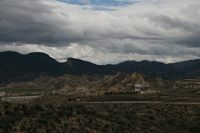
117	118
15	67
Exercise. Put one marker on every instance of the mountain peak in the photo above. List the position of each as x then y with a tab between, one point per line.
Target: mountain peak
38	54
9	53
77	62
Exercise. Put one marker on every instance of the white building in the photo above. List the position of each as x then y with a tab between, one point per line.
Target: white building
141	87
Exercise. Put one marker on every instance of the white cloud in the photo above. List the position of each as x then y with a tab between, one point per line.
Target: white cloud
164	30
104	56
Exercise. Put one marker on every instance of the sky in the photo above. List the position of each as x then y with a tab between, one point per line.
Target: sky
102	31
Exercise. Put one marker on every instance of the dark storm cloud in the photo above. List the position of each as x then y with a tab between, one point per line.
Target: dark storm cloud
42	22
189	31
34	22
168	30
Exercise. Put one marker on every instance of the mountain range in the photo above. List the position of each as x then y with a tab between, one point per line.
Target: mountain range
16	67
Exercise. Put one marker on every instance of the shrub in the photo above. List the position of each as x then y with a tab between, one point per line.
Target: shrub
151	117
38	107
22	127
70	99
48	130
106	126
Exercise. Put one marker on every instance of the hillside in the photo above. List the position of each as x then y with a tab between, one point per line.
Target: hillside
74	117
90	85
190	68
15	67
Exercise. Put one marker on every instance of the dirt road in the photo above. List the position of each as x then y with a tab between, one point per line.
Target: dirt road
144	102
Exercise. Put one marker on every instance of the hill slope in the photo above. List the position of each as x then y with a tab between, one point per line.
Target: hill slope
16	67
86	84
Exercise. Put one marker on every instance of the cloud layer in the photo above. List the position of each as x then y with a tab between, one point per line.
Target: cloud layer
167	30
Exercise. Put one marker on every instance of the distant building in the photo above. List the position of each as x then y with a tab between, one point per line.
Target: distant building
141	87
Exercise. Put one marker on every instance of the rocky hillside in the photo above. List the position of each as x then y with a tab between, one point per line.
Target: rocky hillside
86	84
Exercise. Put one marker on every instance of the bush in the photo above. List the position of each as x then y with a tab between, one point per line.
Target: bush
69	99
7	112
151	117
106	126
48	130
22	127
38	107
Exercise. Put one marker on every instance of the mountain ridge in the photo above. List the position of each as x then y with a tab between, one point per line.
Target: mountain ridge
16	67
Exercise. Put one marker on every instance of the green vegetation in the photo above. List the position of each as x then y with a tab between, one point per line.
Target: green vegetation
77	117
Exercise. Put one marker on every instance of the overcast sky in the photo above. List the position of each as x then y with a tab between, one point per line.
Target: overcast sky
102	31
